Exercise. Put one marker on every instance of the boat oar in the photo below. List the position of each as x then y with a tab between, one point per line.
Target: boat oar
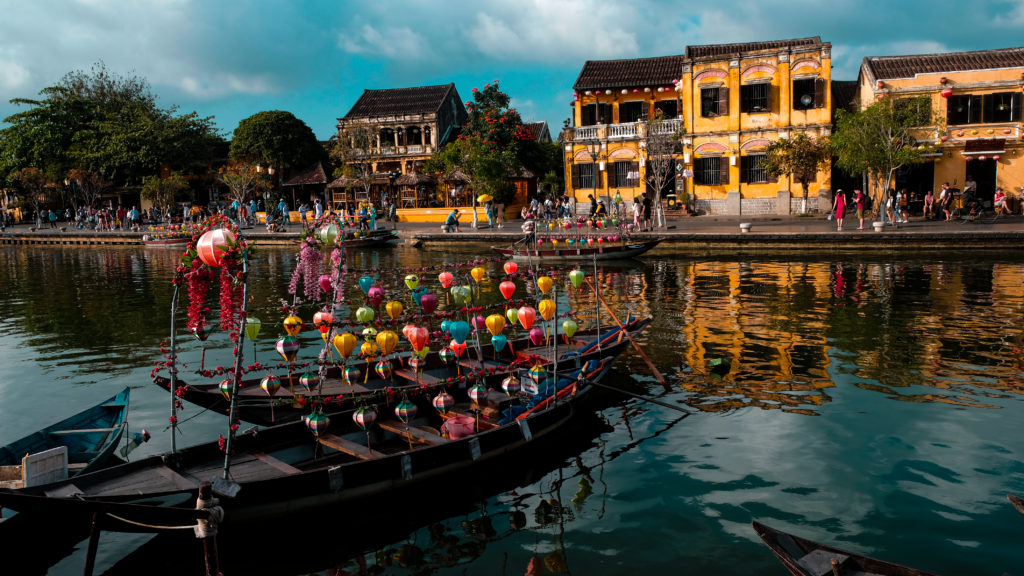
639	350
641	397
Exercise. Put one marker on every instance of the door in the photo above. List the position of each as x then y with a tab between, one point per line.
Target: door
984	173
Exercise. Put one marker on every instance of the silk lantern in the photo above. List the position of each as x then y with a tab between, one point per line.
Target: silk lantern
212	244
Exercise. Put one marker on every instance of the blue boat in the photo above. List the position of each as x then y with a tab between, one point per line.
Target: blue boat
84	441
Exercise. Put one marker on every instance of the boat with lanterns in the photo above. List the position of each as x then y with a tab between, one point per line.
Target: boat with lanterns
487	393
577	239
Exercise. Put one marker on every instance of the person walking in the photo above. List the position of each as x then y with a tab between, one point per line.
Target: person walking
52	217
318	209
839	208
489	210
945	201
859	198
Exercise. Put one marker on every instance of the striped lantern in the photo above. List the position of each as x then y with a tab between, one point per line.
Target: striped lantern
447	355
538	373
405	410
511	385
364	417
443	402
317	423
416	363
384	368
288	348
352	375
211	246
270	384
477	393
202	331
310	380
225	388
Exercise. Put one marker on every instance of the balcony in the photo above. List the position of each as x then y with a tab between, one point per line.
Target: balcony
627	131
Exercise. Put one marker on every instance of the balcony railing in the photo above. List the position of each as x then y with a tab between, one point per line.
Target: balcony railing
625	131
622	131
668	126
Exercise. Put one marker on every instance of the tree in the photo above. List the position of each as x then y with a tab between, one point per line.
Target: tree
33	184
243	180
278	139
882	138
800	157
662	143
161	190
355	152
88	185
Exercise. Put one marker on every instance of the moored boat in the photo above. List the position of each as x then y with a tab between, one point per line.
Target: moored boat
1017	502
804	557
75	445
568	253
174	241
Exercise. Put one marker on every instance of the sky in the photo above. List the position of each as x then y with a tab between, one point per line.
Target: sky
230	59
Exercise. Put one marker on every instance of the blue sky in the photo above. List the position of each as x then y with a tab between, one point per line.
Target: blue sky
233	58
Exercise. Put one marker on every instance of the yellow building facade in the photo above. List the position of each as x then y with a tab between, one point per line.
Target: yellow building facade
978	95
738	99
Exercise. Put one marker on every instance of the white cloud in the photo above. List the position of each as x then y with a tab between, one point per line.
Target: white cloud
387	42
225	84
13	76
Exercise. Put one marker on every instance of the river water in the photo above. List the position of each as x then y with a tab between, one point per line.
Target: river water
871	402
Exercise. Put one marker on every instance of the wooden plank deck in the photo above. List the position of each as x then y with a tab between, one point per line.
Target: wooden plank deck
348	447
424	436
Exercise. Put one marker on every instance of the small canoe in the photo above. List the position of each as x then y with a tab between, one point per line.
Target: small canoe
1017	502
804	557
601	252
176	241
86	440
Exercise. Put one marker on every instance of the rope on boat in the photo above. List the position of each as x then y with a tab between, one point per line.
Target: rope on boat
150	526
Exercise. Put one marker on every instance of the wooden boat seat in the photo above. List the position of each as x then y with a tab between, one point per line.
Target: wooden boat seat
83	431
420	434
348	447
819	562
424	378
482	423
278	464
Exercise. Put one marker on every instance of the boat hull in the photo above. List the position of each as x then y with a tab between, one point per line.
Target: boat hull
602	252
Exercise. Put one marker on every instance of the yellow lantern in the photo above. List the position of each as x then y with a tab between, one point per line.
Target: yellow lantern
545	283
547	309
478	273
345	343
394	309
495	324
293	325
387	340
369	349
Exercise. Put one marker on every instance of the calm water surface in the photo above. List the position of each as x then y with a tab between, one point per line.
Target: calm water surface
872	403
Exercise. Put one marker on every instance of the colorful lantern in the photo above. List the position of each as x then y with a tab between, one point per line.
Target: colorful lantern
252	327
479	323
417	294
366	282
212	245
460	294
309	380
576	277
428	302
394	309
412	281
536	336
345	343
270	384
288	348
387	340
569	327
446	279
446	326
369	350
419	337
364	417
526	316
364	314
510	267
325	283
511	385
457	348
495	324
547	309
538	373
202	331
317	423
384	368
446	355
406	410
422	352
293	325
322	320
478	273
375	295
512	314
499	341
225	388
443	402
459	331
507	289
415	362
352	375
369	333
477	393
328	234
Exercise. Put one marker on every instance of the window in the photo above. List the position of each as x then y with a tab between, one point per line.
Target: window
632	111
754	98
712	171
714	101
599	113
627	174
752	169
582	176
978	108
668	108
808	93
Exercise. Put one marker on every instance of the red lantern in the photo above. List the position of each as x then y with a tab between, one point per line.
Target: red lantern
946	92
507	289
996	157
212	244
510	267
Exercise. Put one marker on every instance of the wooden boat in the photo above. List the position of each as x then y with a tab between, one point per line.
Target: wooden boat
293	400
306	465
76	445
804	557
363	239
1017	502
610	251
177	241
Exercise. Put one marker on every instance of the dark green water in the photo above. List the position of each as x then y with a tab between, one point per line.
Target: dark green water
873	403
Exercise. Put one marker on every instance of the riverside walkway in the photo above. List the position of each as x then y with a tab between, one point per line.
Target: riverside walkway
682	234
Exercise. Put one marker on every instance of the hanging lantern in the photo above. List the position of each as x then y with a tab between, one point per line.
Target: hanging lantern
457	348
369	333
406	410
345	343
507	289
225	388
478	273
212	245
322	320
946	92
328	234
512	315
447	355
325	283
545	283
510	267
365	283
252	327
394	309
459	330
317	423
202	331
375	295
310	380
526	315
293	325
479	322
364	314
412	281
384	368
536	336
499	341
461	294
576	277
511	385
446	279
352	375
415	362
495	324
547	309
538	373
288	348
477	393
443	402
270	384
369	349
428	302
569	327
364	417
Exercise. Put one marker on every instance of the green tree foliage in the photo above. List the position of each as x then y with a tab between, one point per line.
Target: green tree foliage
882	138
33	185
106	124
276	138
663	145
243	179
354	150
161	190
87	186
800	157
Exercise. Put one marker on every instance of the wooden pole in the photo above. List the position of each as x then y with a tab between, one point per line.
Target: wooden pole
642	397
94	542
639	350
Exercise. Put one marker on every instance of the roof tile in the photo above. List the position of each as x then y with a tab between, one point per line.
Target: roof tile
634	72
708	50
398	101
891	67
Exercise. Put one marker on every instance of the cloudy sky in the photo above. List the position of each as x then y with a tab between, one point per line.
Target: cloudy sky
232	58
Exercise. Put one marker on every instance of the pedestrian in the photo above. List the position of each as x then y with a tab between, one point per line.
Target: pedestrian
302	214
946	200
859	198
593	204
902	202
318	209
648	209
839	208
489	211
499	214
638	213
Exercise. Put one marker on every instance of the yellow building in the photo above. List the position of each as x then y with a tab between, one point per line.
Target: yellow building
979	95
738	99
604	152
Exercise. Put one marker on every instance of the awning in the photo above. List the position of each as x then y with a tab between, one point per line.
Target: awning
984	146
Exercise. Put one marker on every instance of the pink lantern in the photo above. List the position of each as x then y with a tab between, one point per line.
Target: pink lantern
946	92
375	295
536	336
212	244
325	283
446	279
428	302
510	267
982	158
996	157
479	322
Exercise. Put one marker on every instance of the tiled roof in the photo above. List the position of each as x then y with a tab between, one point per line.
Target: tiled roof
397	101
890	67
707	50
537	129
314	175
632	73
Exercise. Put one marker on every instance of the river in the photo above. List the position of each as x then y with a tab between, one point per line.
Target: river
870	402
